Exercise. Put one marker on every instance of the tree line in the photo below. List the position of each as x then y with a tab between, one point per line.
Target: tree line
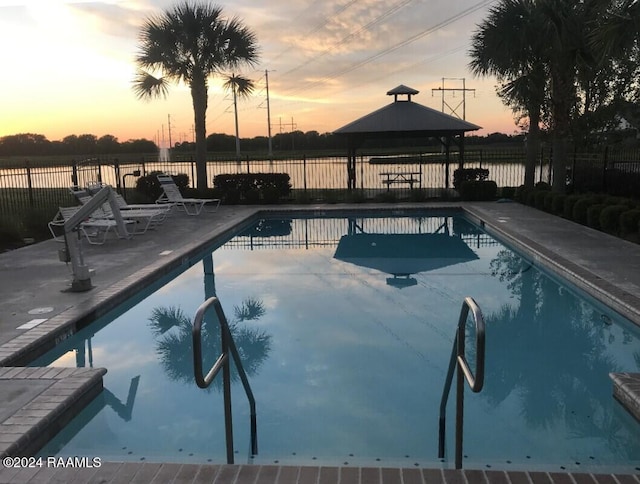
28	144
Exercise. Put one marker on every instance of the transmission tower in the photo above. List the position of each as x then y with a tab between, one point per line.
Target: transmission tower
462	103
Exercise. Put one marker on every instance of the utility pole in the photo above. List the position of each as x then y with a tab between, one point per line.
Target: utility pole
266	76
462	103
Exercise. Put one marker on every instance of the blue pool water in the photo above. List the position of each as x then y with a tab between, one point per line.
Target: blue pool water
345	327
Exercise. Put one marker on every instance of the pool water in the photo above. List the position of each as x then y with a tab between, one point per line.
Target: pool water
345	326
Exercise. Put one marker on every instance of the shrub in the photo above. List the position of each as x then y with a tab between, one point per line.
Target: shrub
593	215
579	213
462	175
253	186
531	198
252	195
569	202
542	186
508	192
539	198
478	190
150	187
271	195
521	194
10	237
557	203
630	221
610	218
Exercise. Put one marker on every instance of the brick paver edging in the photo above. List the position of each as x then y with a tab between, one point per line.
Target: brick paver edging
25	431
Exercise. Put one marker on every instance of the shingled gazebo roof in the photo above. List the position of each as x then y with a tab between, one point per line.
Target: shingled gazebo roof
405	118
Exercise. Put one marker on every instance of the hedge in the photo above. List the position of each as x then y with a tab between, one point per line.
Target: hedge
150	187
478	190
253	187
614	215
462	175
630	222
610	218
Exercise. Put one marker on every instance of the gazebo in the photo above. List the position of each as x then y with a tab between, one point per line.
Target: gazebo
404	118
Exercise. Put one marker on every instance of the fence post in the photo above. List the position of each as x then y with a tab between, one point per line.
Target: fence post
29	183
304	172
99	172
573	168
74	173
116	168
604	168
248	169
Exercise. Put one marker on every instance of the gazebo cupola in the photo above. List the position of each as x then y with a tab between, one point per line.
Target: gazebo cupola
402	90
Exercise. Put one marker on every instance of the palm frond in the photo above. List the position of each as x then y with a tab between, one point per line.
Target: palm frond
250	310
146	86
242	86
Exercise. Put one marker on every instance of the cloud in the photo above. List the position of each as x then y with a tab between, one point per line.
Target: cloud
117	20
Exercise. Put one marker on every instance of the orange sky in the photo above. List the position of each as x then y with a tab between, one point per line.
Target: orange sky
70	66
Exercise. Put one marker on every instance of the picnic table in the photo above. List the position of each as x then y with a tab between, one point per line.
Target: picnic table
402	177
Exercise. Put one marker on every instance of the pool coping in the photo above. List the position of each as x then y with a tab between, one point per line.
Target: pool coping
42	338
65	392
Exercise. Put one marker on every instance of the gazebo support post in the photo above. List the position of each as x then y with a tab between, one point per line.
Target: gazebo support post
351	169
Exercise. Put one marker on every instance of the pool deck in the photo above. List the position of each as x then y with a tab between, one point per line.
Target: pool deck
37	312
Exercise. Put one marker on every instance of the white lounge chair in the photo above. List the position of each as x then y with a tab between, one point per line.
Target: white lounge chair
142	219
193	206
163	210
94	229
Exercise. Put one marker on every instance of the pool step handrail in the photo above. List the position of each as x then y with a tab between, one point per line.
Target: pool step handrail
458	362
228	347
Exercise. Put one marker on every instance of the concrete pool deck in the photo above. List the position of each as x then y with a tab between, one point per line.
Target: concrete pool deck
36	314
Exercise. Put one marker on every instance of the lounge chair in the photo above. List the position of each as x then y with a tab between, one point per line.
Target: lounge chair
143	219
94	229
82	195
164	209
193	206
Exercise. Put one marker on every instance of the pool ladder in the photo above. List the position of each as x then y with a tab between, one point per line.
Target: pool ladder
458	361
222	363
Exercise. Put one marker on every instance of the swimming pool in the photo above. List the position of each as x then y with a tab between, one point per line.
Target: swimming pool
347	349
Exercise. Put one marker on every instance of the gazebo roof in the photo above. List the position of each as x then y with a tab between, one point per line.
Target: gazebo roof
406	118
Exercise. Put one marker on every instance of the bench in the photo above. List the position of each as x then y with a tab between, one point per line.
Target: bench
407	178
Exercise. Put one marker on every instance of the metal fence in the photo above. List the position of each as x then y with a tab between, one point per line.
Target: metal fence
28	189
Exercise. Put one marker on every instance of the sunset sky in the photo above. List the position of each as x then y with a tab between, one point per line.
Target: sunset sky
68	66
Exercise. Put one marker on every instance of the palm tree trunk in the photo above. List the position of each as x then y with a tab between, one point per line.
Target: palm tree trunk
562	94
235	112
533	147
199	98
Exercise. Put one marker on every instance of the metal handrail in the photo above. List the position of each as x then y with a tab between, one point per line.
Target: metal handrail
228	347
458	361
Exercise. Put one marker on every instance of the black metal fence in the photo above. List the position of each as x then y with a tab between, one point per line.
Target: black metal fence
34	192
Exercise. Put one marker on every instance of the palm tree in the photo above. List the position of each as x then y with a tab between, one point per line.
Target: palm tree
191	43
508	46
241	87
620	27
172	329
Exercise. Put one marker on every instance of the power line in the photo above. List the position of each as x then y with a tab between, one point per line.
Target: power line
396	46
322	23
389	12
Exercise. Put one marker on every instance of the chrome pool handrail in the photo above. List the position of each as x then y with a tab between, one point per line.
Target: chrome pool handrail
458	361
228	346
